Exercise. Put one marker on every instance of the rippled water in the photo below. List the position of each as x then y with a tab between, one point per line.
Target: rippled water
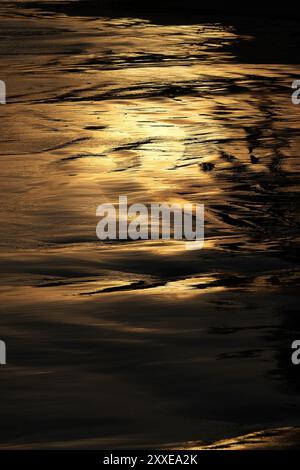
144	343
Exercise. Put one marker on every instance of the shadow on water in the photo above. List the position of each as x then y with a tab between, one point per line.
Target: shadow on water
272	33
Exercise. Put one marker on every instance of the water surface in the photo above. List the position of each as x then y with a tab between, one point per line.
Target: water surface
144	343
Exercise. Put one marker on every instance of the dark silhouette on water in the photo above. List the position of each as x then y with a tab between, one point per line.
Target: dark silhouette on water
274	30
170	8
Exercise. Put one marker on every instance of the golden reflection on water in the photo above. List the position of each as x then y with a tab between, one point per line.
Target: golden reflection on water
273	439
102	108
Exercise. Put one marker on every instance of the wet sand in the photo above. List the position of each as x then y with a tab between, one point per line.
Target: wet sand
132	344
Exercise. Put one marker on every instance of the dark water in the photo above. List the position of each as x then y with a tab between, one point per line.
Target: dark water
144	343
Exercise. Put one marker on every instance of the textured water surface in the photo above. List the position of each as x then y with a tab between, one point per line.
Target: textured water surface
144	343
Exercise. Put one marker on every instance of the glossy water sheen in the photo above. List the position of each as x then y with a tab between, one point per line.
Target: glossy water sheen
144	343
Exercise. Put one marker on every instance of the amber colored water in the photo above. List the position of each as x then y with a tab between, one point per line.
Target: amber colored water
127	344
